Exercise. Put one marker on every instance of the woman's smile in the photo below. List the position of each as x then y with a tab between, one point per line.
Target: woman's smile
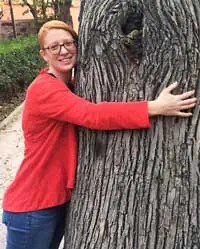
66	59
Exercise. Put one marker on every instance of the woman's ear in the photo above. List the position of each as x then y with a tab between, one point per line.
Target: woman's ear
43	55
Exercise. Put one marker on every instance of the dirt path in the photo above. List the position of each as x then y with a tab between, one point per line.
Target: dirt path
12	144
11	152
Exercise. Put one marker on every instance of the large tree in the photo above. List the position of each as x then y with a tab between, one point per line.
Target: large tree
138	189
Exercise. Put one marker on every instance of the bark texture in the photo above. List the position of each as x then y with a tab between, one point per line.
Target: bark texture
138	189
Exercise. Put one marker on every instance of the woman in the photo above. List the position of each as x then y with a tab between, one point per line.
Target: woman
34	204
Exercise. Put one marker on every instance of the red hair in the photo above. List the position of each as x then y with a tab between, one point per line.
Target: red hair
55	24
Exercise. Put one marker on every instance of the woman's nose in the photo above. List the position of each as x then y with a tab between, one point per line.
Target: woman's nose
63	50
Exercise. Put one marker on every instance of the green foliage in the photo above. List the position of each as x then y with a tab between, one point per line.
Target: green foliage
20	63
44	10
19	43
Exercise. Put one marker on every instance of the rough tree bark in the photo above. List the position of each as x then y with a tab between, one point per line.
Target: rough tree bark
138	189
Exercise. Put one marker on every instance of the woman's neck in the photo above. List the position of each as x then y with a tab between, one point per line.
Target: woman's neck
65	77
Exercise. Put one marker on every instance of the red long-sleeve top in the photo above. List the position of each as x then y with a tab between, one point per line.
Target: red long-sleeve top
51	111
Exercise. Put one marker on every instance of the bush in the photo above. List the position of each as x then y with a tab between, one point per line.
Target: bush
20	63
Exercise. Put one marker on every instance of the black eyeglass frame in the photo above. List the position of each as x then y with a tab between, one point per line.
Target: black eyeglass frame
60	46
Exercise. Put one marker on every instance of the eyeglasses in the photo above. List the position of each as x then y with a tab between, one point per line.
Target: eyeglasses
56	48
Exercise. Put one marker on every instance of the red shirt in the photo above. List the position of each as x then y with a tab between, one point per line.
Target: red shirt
47	172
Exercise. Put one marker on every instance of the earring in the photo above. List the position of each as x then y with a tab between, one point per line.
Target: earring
73	72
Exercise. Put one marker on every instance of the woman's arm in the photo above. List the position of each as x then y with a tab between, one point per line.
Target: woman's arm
55	101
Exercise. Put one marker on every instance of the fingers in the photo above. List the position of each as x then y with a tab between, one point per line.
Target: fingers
186	94
185	107
184	114
181	96
189	101
171	87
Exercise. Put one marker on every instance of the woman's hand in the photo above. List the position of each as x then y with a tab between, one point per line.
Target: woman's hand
168	104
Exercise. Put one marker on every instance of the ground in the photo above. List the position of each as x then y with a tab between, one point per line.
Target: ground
7	106
11	144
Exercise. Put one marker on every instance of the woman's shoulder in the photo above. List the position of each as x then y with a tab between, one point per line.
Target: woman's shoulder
44	82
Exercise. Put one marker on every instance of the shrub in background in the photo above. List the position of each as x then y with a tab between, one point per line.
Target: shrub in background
20	63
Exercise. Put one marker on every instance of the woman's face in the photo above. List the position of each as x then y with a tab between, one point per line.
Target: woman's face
60	58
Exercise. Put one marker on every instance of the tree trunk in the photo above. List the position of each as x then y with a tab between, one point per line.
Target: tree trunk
33	9
138	189
65	12
62	11
12	18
